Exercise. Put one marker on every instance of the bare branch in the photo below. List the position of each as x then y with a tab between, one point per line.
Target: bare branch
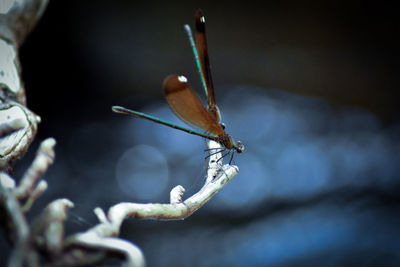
44	157
19	231
173	211
36	193
10	197
102	235
48	229
133	254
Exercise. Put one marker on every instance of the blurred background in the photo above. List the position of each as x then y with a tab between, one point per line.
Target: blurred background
311	89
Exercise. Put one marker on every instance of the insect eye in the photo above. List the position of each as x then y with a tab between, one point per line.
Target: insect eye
239	147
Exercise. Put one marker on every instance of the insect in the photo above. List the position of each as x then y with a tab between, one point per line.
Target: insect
185	103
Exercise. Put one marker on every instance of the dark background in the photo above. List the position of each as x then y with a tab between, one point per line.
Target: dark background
310	88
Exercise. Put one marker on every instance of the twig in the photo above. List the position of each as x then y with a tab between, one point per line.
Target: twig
36	193
47	232
44	157
175	210
20	229
133	255
11	198
48	229
102	235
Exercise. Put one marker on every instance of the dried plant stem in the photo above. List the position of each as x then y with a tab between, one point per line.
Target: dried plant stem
102	234
13	202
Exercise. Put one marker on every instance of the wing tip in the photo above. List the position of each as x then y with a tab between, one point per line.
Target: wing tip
174	83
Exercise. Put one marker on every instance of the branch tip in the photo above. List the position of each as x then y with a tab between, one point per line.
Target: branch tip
6	181
176	194
44	158
101	216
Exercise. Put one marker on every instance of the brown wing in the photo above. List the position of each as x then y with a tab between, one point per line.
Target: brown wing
187	105
201	46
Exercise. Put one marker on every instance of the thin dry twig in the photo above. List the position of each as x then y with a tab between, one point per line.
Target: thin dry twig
20	228
102	235
44	158
13	202
48	229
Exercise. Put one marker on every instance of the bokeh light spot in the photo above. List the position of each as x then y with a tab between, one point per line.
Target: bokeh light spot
142	172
